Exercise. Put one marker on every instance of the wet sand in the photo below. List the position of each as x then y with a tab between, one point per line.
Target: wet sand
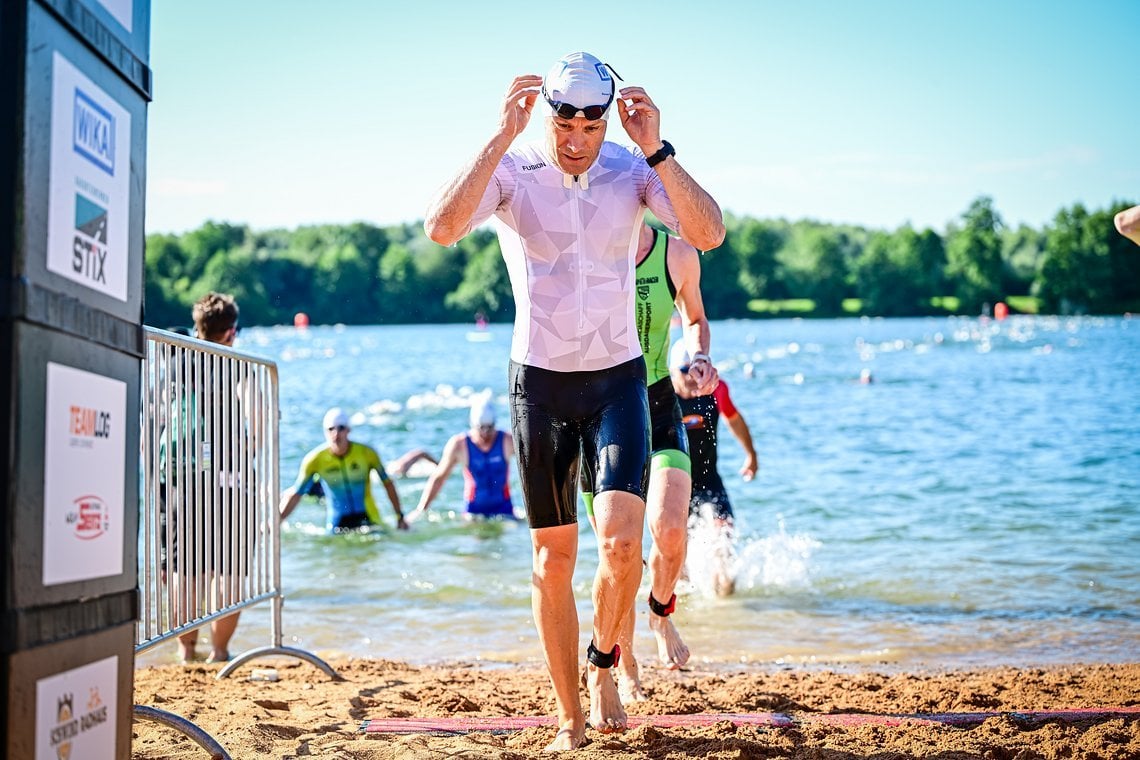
306	714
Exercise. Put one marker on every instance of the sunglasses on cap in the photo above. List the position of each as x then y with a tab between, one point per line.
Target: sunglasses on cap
592	113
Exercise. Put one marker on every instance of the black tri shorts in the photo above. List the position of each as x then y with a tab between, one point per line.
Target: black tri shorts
666	430
557	417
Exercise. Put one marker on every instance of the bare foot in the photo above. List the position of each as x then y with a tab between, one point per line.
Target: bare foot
671	649
571	735
629	678
606	713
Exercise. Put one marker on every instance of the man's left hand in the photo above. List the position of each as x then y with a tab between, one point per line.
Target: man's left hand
704	376
640	118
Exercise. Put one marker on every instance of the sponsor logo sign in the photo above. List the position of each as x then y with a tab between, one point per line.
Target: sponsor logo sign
75	713
89	195
84	461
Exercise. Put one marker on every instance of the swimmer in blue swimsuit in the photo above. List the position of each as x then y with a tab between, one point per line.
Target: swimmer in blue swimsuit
484	452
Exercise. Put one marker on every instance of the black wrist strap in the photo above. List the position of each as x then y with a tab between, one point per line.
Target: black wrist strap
601	659
661	155
662	610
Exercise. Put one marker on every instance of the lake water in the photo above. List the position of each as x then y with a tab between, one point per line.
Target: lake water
977	504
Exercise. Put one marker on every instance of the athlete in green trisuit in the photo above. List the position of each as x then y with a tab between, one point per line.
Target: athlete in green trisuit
668	274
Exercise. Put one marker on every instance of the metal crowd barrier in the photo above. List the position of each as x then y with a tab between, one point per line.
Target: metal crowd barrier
209	542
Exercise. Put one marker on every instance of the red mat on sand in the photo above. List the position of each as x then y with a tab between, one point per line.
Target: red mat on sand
462	725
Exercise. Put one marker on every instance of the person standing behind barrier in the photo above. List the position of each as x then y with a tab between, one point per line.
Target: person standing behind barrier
1128	223
485	453
215	318
668	274
569	206
346	469
701	414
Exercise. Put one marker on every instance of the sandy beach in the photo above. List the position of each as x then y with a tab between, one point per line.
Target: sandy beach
305	714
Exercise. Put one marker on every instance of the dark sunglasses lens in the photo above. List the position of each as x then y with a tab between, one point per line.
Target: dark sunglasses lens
568	111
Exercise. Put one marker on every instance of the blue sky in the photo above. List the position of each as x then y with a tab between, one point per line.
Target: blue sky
875	112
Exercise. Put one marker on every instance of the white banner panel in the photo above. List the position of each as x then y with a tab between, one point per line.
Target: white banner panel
84	456
89	195
75	712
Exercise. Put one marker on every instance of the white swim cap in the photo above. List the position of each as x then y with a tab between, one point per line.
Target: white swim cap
336	417
482	412
582	81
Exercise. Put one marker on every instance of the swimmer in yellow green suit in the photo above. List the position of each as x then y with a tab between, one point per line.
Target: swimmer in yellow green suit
344	467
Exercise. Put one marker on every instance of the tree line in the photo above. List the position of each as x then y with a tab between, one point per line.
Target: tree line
364	274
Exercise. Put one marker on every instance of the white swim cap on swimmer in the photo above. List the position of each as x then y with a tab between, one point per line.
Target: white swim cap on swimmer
336	417
482	412
581	80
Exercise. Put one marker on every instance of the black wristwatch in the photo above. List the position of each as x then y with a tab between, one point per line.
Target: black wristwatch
661	155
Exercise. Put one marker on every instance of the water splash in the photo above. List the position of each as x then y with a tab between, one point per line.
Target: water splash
711	562
717	566
777	561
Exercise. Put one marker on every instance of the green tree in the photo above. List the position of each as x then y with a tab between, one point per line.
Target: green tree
1022	251
814	265
756	245
485	287
207	241
236	272
897	274
1088	267
400	301
973	253
720	284
165	283
347	283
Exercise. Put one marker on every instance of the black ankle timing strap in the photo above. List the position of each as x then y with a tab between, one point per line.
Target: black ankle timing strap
662	610
601	659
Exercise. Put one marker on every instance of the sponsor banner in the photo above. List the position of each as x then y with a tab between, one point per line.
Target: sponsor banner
75	713
85	443
123	11
89	211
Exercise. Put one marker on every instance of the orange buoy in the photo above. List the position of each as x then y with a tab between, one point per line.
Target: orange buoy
300	319
1001	311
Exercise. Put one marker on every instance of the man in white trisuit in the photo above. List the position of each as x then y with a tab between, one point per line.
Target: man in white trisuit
568	208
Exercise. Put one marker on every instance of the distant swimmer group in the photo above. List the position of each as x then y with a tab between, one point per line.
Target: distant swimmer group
340	471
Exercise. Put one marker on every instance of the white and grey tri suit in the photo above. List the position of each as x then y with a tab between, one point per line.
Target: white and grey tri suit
577	375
